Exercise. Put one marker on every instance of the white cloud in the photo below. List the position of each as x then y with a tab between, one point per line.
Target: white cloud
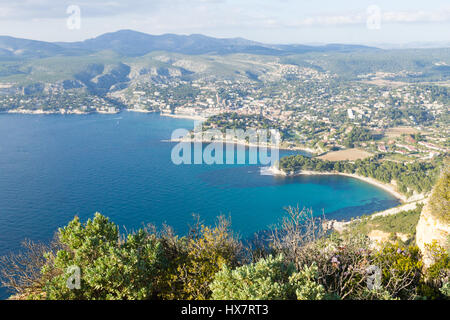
442	15
43	9
417	16
263	20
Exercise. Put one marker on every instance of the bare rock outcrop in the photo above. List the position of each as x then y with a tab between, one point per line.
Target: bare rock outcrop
434	222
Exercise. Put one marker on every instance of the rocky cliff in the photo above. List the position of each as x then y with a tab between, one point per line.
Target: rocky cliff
434	222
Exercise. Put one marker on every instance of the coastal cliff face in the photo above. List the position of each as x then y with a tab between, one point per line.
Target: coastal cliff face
430	229
434	222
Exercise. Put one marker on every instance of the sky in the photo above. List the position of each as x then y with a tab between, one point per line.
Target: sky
268	21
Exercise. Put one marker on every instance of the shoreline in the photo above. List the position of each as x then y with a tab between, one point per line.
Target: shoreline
387	187
43	112
183	116
246	144
51	112
139	110
310	151
58	112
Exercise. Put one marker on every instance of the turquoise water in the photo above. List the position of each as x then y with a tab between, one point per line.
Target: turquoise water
53	167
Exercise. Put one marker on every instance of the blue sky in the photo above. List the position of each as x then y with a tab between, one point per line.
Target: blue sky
270	21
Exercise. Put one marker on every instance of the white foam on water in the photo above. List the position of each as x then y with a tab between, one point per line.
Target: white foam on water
266	171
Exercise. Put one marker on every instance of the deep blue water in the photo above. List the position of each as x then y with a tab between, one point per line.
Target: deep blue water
53	167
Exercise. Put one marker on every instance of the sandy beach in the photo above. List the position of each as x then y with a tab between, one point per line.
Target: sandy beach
140	110
387	187
407	203
243	143
183	116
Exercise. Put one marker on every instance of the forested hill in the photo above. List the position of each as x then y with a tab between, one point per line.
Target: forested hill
118	60
409	177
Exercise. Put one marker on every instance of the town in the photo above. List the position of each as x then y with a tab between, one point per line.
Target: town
316	111
313	111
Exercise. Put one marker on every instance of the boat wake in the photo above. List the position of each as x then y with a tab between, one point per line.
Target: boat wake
266	171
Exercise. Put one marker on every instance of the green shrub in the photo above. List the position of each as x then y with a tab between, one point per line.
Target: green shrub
440	198
111	268
269	278
437	274
402	222
341	263
210	263
401	269
445	290
305	282
203	254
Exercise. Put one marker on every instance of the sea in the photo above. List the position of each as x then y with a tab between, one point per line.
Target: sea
55	167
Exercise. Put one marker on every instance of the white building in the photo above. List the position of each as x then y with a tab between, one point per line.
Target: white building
350	114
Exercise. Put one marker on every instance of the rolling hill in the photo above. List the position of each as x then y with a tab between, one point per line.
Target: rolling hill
131	43
116	60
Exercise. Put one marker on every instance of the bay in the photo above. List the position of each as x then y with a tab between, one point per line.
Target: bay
53	167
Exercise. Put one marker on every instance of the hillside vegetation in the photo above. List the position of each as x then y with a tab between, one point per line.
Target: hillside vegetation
440	198
402	223
299	260
409	177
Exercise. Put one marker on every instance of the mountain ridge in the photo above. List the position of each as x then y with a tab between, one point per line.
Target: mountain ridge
132	43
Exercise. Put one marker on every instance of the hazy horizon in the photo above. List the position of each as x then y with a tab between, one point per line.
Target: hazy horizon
387	45
365	22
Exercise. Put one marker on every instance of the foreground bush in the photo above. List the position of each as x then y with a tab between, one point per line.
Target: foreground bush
268	279
211	263
341	262
440	198
199	257
401	269
111	268
346	264
434	284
